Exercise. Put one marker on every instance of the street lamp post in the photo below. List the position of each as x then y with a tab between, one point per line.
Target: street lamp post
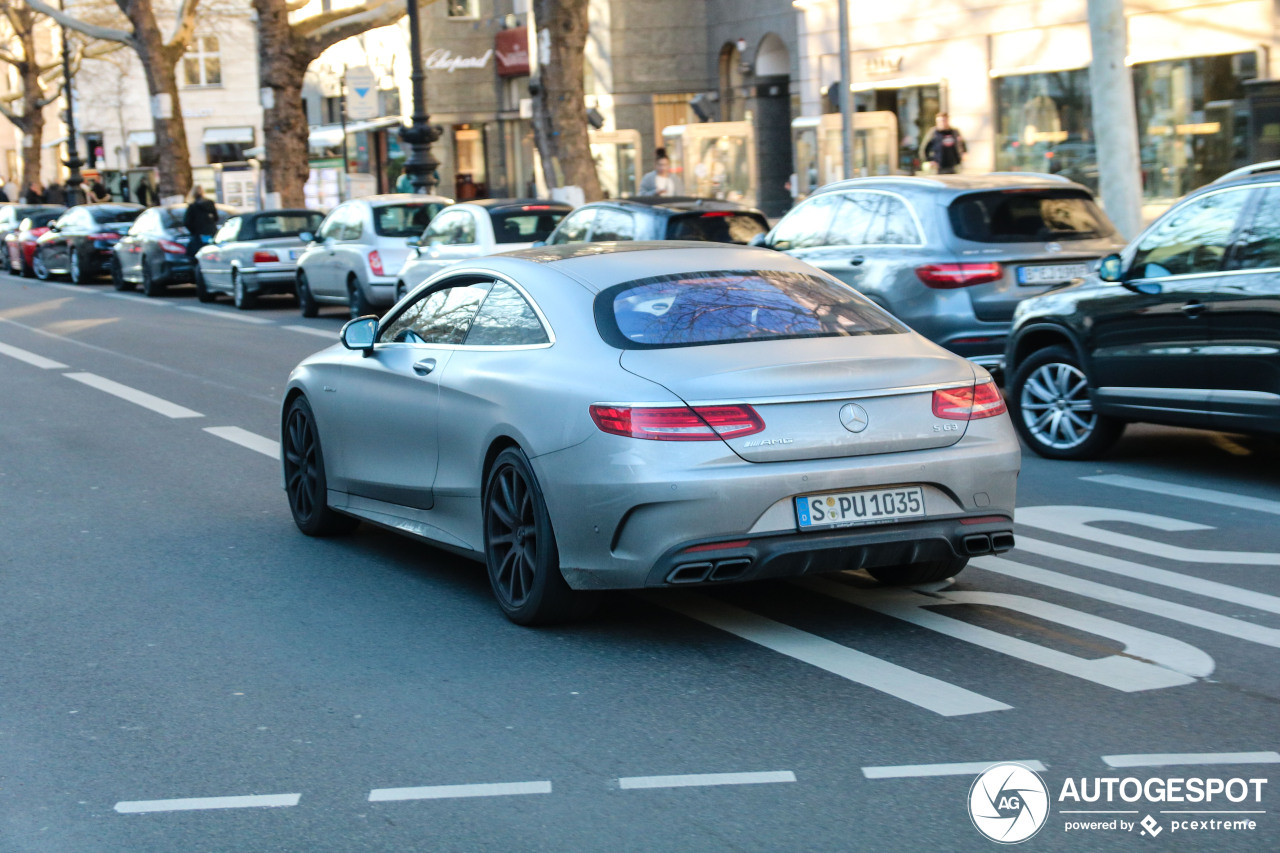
73	161
419	165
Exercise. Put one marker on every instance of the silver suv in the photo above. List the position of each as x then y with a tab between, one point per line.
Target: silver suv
358	250
951	255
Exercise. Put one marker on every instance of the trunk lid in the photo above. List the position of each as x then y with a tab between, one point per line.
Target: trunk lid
807	390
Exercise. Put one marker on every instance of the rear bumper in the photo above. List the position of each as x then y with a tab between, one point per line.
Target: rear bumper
273	278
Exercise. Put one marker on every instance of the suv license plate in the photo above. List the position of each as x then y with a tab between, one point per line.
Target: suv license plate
860	507
1054	274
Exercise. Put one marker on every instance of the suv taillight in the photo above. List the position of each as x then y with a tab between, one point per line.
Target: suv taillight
951	276
968	404
171	248
266	258
678	423
375	262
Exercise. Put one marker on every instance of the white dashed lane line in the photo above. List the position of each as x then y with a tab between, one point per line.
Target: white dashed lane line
1174	759
141	300
1194	493
133	395
228	315
700	780
31	358
264	801
963	768
250	440
451	792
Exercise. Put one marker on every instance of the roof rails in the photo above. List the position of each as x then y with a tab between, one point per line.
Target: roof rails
1255	169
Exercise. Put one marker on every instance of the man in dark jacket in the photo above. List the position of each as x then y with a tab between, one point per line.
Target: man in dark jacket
944	146
201	220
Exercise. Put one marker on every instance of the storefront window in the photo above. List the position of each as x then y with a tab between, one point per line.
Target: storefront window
470	178
916	108
1192	120
1043	124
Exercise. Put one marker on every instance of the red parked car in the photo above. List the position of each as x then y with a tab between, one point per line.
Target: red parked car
20	245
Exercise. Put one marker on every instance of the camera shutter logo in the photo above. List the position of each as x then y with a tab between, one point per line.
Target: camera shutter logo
1008	803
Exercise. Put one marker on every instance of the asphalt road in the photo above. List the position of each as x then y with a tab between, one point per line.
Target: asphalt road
184	671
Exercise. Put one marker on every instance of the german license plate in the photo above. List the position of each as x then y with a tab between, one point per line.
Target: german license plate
1052	274
860	507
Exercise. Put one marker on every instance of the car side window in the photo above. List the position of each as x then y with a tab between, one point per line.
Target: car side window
506	319
442	316
437	233
613	225
353	224
333	224
807	225
462	229
1191	238
227	233
872	219
575	226
1259	244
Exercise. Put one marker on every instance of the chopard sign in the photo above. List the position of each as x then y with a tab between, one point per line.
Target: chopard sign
442	59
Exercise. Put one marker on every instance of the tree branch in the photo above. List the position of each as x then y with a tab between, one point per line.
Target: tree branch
46	101
295	5
6	56
325	35
185	27
73	23
19	122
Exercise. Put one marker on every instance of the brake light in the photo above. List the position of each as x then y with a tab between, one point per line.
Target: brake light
172	248
968	404
536	207
712	214
951	276
266	258
678	423
375	262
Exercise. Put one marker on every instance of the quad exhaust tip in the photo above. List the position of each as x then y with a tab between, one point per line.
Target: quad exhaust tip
977	544
721	570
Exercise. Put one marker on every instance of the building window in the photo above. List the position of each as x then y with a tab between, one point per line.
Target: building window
1044	124
148	156
462	9
331	109
202	65
390	99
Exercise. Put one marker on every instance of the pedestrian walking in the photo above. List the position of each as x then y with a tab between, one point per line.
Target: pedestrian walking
34	194
98	192
943	146
4	190
146	195
55	194
660	181
200	220
404	184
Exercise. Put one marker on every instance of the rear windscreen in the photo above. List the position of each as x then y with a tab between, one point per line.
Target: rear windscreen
525	226
716	226
404	220
273	225
693	309
115	214
1028	216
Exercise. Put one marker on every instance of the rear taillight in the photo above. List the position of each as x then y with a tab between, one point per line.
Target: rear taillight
173	248
678	423
717	214
968	404
266	258
951	276
375	262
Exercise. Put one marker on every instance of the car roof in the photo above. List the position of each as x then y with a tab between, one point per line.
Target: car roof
673	204
497	205
288	211
957	183
402	198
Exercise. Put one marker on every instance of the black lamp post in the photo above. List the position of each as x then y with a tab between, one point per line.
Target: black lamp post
73	161
419	165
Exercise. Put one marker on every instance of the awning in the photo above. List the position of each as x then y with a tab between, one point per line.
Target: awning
142	138
220	135
325	136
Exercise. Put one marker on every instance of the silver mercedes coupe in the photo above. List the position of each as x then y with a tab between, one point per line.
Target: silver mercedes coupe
610	416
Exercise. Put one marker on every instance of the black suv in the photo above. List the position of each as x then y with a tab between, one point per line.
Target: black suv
661	218
1181	328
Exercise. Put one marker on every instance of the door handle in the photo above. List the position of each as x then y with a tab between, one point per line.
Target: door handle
422	368
856	261
1193	309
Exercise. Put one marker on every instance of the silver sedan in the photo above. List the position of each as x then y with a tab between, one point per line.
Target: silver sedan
605	416
255	254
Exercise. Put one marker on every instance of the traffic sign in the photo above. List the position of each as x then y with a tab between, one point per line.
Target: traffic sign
362	94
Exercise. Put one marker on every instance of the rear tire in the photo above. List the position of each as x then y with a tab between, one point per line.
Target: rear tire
912	574
306	302
1049	402
39	267
150	286
117	277
359	303
77	271
304	477
244	300
203	293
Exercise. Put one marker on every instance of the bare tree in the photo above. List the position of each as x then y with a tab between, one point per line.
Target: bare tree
285	50
560	125
159	60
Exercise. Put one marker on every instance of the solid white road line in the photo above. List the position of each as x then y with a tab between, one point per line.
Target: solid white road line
1172	759
449	792
1190	492
31	358
228	315
264	801
699	780
133	395
1238	628
244	438
141	300
964	768
1079	521
319	333
922	690
1162	577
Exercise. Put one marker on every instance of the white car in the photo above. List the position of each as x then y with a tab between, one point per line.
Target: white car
358	250
474	229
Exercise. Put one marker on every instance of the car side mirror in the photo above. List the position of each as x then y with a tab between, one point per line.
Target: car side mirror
1111	268
760	240
360	334
53	226
538	244
413	243
306	237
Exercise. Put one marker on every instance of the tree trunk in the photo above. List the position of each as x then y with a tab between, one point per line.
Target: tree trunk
559	108
160	66
282	64
32	126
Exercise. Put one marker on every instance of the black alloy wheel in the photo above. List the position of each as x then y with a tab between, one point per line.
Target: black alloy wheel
150	286
304	478
359	303
39	267
1051	408
117	276
930	571
244	300
306	302
203	293
520	548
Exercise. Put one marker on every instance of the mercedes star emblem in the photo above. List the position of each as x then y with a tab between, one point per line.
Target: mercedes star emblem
854	417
